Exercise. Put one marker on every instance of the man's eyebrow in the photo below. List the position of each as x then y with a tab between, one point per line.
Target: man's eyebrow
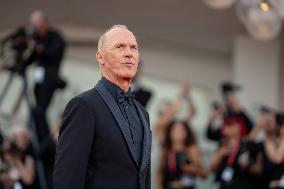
123	43
119	43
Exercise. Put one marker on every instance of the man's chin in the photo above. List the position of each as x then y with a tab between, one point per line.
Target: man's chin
128	76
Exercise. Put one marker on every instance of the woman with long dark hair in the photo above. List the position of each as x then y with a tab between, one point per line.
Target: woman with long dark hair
181	159
274	149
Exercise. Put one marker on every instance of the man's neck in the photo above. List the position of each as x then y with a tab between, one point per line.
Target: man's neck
122	83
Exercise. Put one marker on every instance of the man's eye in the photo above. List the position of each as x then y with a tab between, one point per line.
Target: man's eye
133	47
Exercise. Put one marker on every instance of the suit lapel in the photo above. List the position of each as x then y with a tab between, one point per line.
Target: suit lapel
113	107
146	139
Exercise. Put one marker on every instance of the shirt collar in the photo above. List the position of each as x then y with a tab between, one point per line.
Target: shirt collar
112	88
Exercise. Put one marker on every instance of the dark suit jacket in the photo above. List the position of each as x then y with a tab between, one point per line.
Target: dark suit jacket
95	150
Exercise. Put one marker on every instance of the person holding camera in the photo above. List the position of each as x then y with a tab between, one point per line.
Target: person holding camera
18	163
234	162
232	112
48	50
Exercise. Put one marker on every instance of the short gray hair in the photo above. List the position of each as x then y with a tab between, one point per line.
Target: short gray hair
103	36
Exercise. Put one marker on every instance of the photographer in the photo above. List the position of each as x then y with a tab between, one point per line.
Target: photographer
18	44
19	159
235	164
47	54
230	113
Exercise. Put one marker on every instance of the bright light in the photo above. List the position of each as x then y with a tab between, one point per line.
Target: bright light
219	4
264	6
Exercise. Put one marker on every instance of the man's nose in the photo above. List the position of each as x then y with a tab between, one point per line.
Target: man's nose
128	53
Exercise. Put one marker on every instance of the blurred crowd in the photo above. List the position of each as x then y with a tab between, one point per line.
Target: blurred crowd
28	150
249	154
20	159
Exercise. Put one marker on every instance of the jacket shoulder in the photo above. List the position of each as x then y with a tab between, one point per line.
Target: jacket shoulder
89	97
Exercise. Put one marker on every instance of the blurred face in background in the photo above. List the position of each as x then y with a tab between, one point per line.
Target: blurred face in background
21	138
231	101
38	22
178	133
119	55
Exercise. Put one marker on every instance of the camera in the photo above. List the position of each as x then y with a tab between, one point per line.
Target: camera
18	39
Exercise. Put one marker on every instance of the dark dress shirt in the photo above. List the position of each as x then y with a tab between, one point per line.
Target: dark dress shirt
129	112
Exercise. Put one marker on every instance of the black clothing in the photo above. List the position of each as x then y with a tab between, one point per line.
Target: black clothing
129	111
95	148
47	155
35	184
30	152
53	51
241	118
172	169
240	178
49	60
143	96
270	170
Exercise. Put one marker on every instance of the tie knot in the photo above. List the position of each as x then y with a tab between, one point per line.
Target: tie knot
121	96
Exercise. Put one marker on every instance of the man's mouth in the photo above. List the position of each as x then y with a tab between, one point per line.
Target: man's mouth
128	63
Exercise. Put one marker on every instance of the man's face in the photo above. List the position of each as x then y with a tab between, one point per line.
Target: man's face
38	23
231	100
119	56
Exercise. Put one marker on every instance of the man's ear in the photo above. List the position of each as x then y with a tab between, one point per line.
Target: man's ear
99	57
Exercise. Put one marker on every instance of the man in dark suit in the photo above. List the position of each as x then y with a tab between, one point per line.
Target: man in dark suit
105	140
47	54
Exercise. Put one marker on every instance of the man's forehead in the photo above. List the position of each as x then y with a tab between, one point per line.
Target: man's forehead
37	16
120	35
